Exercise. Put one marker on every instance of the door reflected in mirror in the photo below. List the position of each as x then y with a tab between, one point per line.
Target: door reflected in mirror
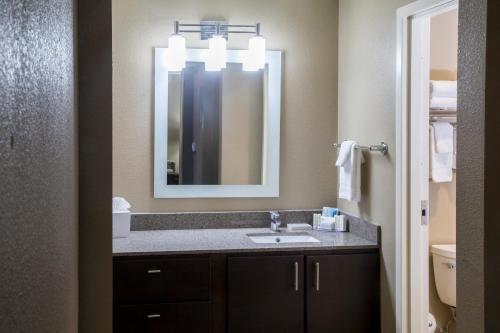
215	126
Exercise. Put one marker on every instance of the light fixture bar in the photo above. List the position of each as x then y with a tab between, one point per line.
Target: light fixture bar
217	33
217	28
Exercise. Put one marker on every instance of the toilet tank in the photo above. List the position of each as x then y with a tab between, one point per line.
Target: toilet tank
445	272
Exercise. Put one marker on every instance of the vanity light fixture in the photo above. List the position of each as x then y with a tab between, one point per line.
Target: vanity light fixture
217	34
176	51
216	56
256	53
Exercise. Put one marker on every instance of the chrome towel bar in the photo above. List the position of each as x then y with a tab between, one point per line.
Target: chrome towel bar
382	147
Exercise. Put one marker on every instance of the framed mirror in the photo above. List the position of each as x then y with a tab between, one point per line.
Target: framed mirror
217	134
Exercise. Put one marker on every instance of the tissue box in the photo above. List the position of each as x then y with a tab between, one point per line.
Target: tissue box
327	223
121	224
329	211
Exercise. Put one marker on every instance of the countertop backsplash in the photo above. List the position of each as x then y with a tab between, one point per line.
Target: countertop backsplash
241	219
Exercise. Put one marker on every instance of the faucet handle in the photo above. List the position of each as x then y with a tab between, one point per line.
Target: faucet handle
275	215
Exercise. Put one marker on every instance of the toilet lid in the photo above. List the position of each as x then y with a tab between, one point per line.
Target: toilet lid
445	250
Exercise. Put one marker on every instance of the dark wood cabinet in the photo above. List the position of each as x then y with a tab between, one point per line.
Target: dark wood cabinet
169	280
343	293
163	318
289	292
265	294
165	295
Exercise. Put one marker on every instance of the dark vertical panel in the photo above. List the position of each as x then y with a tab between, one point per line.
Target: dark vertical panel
95	153
187	117
492	170
207	133
201	126
38	184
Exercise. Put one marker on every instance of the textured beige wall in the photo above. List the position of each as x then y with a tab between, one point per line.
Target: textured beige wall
307	33
367	71
444	46
442	196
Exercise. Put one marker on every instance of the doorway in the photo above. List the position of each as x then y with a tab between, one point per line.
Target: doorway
417	117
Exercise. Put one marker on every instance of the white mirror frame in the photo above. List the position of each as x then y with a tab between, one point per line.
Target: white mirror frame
271	134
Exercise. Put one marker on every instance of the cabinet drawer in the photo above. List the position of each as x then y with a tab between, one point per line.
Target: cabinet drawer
169	280
162	318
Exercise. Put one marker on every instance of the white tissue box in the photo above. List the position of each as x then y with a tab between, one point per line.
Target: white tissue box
327	223
121	224
298	227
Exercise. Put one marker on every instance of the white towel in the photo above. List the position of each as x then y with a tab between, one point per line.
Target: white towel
444	103
441	164
344	152
350	173
443	136
444	89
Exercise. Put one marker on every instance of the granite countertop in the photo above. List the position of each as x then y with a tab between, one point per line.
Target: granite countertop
226	241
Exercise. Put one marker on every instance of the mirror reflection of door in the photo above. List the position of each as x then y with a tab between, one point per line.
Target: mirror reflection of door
201	109
215	126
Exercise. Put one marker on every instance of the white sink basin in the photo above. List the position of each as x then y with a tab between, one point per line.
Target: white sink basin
282	238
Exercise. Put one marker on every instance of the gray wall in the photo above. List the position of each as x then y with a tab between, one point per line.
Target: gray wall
478	230
38	187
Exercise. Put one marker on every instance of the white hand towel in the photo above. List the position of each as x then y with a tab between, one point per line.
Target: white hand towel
344	153
441	164
444	89
443	136
444	103
350	175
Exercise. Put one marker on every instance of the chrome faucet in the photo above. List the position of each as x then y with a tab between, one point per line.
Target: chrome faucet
275	220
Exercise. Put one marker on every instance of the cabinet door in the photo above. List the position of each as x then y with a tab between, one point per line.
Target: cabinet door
343	294
266	294
162	318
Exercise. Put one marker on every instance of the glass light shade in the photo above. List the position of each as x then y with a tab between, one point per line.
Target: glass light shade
255	58
176	53
216	55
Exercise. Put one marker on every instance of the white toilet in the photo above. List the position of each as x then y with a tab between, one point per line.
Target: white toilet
445	272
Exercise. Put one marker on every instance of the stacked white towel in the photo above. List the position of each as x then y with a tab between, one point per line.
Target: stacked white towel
444	95
442	149
349	161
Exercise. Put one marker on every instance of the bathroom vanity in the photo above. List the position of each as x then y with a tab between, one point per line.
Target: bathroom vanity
219	280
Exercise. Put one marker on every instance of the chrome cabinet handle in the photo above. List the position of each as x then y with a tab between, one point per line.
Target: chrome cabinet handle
154	271
316	265
296	283
153	316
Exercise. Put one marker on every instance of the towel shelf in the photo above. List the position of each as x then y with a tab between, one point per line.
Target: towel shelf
447	116
382	147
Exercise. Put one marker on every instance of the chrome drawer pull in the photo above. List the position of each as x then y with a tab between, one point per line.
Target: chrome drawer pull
296	276
317	275
152	316
154	271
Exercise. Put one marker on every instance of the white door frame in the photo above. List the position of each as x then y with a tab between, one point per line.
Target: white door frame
412	238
